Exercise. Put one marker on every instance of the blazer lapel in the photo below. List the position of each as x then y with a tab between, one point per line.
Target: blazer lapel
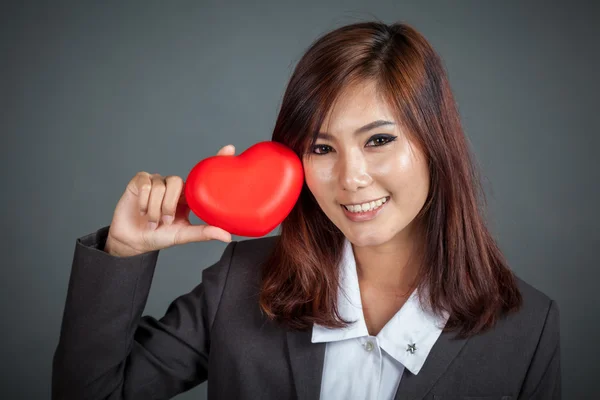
306	359
445	349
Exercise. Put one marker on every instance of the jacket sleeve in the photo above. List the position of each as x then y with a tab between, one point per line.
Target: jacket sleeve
107	350
543	379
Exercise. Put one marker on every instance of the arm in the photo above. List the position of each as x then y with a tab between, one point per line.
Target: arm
543	379
107	350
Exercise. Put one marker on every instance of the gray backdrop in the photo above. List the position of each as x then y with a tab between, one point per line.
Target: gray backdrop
91	94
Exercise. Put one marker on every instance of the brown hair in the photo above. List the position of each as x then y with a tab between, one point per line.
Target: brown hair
462	268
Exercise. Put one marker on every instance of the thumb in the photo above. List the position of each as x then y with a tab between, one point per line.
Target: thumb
199	233
228	150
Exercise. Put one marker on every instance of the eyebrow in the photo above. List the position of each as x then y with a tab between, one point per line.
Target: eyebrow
368	127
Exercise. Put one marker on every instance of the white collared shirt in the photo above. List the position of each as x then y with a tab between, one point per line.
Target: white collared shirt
360	366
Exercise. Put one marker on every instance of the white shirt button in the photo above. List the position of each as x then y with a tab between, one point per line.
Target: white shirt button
369	346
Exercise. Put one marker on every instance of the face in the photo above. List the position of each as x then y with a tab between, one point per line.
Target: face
350	165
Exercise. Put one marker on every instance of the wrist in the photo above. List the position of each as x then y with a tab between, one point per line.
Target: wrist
113	248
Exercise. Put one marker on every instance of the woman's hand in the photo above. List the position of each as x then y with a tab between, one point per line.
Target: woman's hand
152	214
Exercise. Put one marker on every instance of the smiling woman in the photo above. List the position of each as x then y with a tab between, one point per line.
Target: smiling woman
370	111
388	244
384	283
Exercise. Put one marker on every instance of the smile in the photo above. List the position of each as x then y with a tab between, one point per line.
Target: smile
370	213
367	206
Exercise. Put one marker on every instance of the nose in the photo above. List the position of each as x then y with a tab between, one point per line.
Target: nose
353	172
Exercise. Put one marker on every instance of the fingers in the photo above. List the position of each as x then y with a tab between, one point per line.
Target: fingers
157	193
142	185
159	197
174	187
198	233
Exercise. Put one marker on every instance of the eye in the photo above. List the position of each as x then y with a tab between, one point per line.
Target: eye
381	140
320	146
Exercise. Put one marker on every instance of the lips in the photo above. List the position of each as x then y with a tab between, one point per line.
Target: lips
365	215
381	200
365	201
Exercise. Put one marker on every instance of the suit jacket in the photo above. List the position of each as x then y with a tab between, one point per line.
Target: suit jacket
216	332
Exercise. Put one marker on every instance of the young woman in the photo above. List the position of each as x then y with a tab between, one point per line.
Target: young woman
384	282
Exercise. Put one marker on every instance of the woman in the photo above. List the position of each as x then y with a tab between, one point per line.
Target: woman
383	284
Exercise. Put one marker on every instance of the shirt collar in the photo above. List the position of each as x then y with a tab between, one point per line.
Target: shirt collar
411	325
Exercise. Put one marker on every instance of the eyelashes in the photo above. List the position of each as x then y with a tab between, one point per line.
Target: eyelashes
384	139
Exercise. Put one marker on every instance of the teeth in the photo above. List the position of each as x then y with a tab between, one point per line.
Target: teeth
366	206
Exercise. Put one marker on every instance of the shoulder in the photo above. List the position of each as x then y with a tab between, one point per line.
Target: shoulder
538	309
236	275
247	253
536	323
524	344
254	249
240	263
521	343
544	310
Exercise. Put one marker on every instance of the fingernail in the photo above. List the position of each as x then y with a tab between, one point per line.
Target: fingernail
221	237
152	225
167	219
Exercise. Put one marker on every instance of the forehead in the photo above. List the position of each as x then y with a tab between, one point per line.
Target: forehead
357	105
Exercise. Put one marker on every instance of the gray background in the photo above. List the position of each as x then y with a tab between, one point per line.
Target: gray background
91	94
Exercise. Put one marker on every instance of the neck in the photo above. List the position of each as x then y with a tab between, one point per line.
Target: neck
392	267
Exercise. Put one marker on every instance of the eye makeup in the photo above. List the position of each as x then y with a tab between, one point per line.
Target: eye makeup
387	139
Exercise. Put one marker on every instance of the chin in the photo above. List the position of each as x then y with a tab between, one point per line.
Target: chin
367	238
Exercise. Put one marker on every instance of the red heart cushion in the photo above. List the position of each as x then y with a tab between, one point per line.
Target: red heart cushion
248	194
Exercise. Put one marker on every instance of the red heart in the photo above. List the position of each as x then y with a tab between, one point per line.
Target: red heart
249	194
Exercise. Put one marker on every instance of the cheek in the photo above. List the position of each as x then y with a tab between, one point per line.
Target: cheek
394	163
318	176
405	175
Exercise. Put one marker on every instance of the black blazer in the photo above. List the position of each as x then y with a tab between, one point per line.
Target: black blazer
216	332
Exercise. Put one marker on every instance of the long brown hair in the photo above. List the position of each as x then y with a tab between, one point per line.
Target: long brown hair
462	268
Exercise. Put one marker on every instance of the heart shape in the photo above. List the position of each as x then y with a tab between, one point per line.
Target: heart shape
248	194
